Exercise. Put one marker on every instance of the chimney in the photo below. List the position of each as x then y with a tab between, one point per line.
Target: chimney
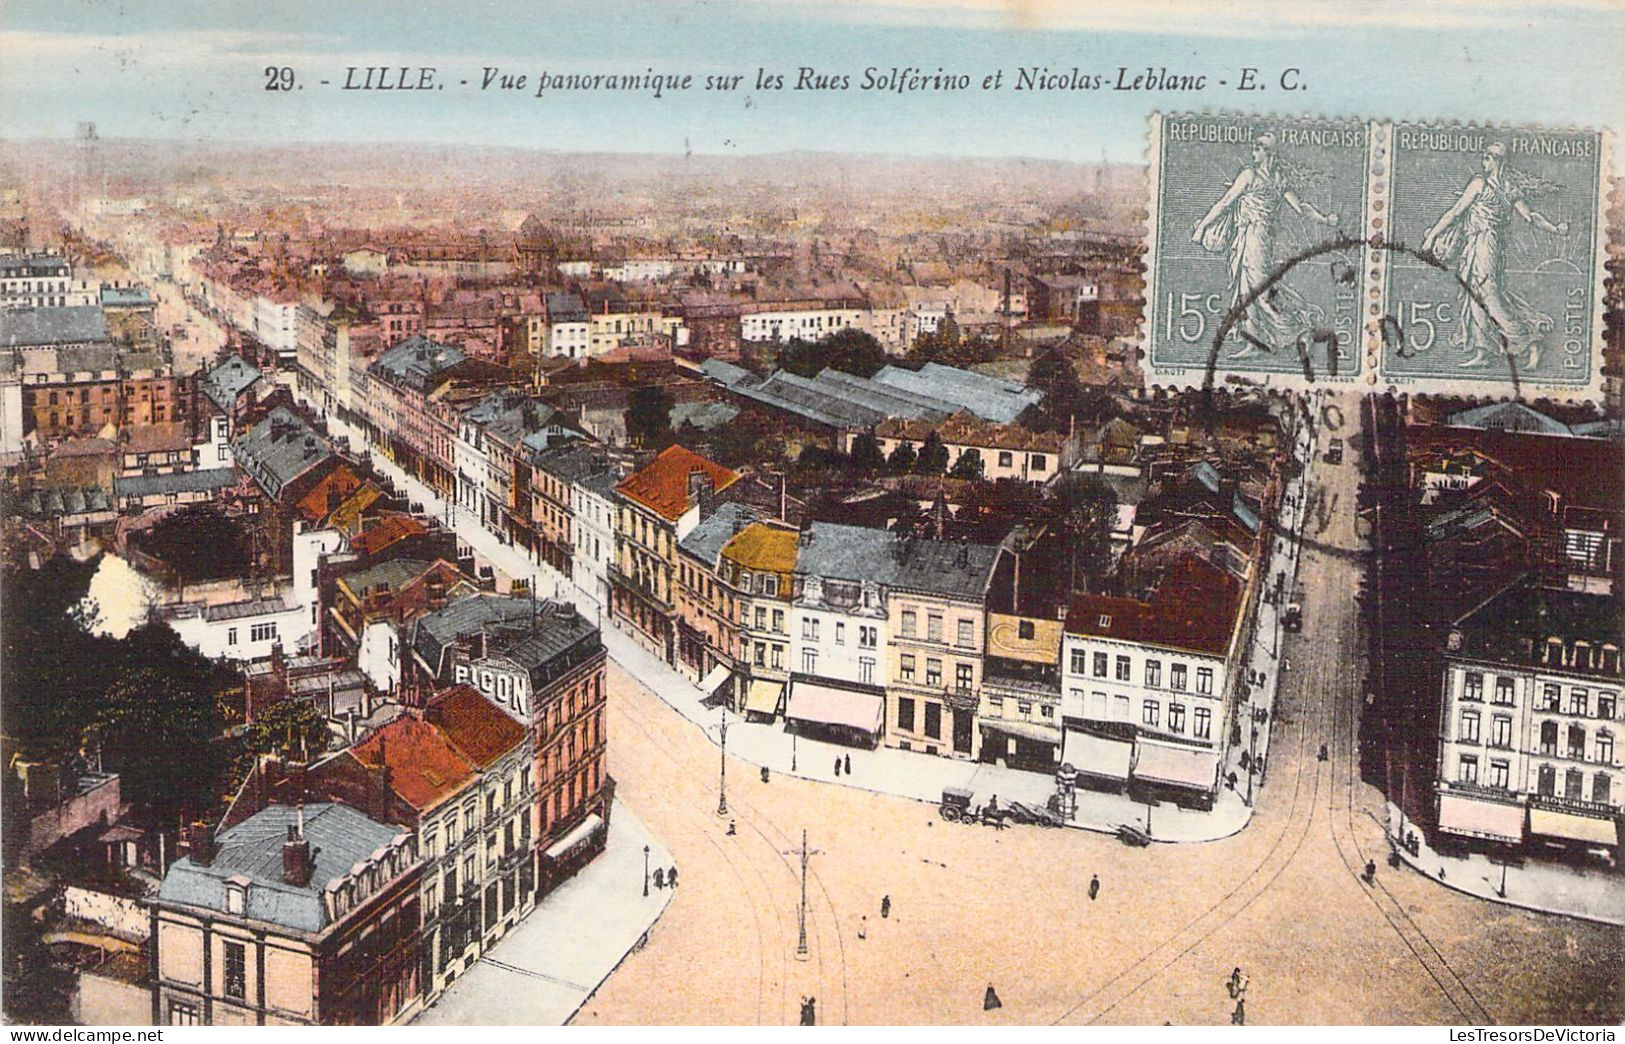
297	864
963	556
204	848
381	781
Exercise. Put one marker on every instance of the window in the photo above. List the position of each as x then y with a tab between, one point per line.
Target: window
933	673
262	632
759	654
1203	726
1100	665
182	1014
1605	705
1501	732
778	621
908	623
1605	748
1503	690
1602	788
967	634
933	720
1204	680
770	586
1472	686
933	627
231	636
236	898
1176	677
1469	727
1574	783
1025	630
1153	674
1038	461
809	630
866	669
840	633
905	667
1548	738
868	637
809	661
1546	781
1047	710
1148	713
1467	769
1122	668
905	713
778	657
1498	774
1176	717
1577	742
236	969
1551	697
962	677
1120	708
761	618
1006	459
1078	658
1579	700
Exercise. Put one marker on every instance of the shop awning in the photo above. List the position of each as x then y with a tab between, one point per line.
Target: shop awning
715	680
1097	755
763	697
581	832
828	705
1486	819
1177	766
1027	730
1571	827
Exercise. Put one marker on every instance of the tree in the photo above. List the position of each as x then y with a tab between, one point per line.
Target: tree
648	417
968	466
933	456
902	459
866	456
856	352
1084	513
161	733
753	437
1053	375
292	729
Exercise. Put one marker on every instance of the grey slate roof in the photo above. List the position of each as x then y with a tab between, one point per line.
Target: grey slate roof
435	632
35	265
225	382
23	327
279	449
180	482
828	549
705	540
243	610
572	461
535	642
416	361
566	308
703	415
340	837
54	503
989	398
126	297
726	373
390	574
945	567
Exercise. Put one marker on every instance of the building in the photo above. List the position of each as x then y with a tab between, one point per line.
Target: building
42	281
592	521
1020	712
1529	749
756	572
656	507
1006	451
1149	682
299	915
247	629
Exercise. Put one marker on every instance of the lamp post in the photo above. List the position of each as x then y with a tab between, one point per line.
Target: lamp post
792	751
1252	762
646	871
722	775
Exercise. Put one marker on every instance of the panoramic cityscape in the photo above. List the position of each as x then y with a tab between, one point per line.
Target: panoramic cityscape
489	585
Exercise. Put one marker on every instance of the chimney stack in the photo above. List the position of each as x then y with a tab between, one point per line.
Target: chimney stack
297	864
203	847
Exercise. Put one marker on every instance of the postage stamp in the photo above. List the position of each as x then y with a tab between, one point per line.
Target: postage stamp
1494	276
1255	251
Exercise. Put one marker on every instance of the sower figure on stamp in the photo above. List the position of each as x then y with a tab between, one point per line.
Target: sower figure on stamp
1243	223
1472	236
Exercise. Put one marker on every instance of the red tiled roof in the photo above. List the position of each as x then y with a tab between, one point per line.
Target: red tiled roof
314	505
149	438
423	766
477	728
1194	608
662	484
385	532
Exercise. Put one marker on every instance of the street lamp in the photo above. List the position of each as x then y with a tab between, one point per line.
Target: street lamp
646	871
1252	763
722	776
792	751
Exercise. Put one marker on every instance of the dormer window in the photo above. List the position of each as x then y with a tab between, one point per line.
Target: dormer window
1105	622
237	895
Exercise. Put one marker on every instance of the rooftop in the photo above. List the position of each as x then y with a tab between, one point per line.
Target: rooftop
34	327
180	482
416	361
279	449
475	727
1527	622
763	547
424	768
340	837
225	382
705	541
663	486
1193	608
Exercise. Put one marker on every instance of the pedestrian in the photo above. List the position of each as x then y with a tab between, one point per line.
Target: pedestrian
1234	982
837	768
1239	1016
1370	874
990	999
660	878
885	907
1322	752
863	927
848	764
671	877
1094	887
764	773
731	829
809	1011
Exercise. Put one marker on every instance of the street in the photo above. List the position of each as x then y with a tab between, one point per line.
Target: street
972	906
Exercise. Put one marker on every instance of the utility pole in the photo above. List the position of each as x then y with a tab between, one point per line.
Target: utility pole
722	776
801	913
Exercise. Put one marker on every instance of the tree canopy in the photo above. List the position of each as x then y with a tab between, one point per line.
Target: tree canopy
648	417
850	351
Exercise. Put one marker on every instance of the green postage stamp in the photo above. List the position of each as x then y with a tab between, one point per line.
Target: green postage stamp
1420	257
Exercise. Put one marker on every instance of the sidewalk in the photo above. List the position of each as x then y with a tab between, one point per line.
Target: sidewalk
1590	895
899	773
555	960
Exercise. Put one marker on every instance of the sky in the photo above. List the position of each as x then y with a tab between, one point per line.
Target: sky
196	71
